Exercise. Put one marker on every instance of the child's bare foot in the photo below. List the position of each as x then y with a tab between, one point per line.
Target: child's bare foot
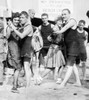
59	87
14	90
38	80
59	80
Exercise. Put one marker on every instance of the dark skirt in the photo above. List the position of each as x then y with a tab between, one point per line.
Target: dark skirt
14	55
26	49
82	52
72	48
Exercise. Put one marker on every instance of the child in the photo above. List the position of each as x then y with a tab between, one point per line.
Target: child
37	44
82	39
55	57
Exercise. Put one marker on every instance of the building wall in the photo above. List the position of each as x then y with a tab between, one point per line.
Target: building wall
80	7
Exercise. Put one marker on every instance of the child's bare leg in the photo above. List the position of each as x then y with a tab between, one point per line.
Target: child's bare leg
84	70
56	73
45	72
37	74
27	65
67	76
75	69
60	71
59	80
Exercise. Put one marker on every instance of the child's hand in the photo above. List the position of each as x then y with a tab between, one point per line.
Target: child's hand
10	24
49	38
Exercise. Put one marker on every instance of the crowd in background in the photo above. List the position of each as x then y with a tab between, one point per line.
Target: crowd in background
52	46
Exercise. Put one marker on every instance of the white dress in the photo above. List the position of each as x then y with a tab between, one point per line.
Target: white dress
55	57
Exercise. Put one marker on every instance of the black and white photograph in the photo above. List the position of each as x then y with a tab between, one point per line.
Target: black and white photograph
44	49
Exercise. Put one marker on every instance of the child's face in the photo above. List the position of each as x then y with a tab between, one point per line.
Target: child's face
59	22
44	19
23	19
81	25
31	14
16	21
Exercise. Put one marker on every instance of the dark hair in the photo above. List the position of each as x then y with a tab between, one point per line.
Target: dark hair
82	21
44	14
58	19
14	15
87	14
67	10
24	13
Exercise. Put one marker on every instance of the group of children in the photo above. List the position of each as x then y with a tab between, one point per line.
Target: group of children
24	42
56	58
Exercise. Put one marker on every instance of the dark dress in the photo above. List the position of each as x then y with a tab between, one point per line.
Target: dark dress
82	48
26	47
14	51
71	42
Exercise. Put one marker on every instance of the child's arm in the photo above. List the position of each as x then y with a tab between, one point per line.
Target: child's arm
56	73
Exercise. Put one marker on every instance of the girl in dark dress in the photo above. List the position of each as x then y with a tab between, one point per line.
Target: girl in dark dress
26	48
14	50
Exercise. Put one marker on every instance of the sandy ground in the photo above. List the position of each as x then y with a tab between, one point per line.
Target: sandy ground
46	91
